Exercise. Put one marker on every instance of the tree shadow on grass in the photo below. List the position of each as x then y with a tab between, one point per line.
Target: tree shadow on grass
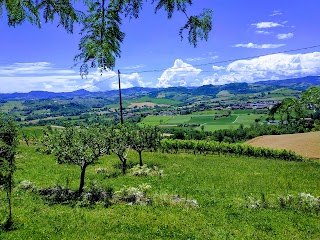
88	198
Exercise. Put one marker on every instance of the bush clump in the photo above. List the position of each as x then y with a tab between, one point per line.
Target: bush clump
145	171
303	202
26	185
133	195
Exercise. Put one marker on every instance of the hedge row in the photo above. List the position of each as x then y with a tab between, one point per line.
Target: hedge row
212	147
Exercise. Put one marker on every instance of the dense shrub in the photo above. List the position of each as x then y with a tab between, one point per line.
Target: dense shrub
212	147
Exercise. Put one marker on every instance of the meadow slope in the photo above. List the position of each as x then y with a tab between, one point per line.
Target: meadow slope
238	198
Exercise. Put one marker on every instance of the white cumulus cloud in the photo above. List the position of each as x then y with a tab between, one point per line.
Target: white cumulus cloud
217	68
134	67
270	67
263	32
195	59
108	80
275	13
253	45
277	66
181	74
283	36
267	25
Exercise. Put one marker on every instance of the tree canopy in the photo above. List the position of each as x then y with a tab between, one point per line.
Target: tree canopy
8	144
101	20
79	146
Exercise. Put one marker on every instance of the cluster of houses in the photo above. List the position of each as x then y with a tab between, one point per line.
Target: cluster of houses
197	107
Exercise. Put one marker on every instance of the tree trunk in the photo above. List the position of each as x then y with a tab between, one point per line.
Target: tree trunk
140	158
83	172
9	220
124	165
9	196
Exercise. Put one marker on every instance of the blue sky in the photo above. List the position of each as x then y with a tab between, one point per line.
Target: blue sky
42	59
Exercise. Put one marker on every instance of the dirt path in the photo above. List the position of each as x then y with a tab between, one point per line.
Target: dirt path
305	144
236	119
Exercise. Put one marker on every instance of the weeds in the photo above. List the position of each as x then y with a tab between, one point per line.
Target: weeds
174	200
304	202
145	171
132	195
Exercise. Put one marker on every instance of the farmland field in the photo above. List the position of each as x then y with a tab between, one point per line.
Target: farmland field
207	119
222	186
306	144
178	119
210	119
155	120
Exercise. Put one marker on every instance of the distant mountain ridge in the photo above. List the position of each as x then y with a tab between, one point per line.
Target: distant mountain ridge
302	84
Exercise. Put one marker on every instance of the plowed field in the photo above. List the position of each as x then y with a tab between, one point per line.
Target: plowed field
305	144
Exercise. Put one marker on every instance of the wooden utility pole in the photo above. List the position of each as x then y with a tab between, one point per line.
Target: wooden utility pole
121	114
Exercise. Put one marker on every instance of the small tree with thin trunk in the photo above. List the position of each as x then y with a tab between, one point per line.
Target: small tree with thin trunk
120	137
144	138
80	146
8	144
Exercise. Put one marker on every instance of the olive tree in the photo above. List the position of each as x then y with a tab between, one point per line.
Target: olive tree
80	146
143	138
120	143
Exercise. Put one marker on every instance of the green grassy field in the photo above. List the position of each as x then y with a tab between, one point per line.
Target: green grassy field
32	131
245	117
179	119
10	105
214	127
221	186
155	120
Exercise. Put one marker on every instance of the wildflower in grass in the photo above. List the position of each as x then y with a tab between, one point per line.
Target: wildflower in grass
133	195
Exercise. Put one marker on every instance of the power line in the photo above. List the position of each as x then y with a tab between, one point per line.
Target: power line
63	67
225	61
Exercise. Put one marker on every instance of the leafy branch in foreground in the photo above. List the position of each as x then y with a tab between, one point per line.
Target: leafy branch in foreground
20	11
100	45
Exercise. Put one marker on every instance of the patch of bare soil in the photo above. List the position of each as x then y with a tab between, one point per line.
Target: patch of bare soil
305	144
